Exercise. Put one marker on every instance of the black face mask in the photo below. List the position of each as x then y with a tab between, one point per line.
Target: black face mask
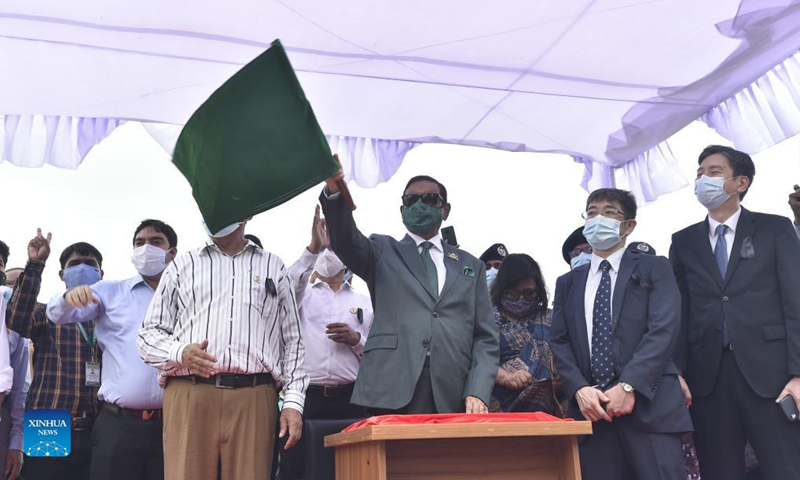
2	279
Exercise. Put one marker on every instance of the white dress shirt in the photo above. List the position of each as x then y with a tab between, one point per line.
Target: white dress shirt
593	282
329	362
126	381
437	255
244	305
6	372
730	233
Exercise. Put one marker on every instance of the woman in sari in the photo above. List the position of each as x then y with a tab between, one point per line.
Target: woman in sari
526	380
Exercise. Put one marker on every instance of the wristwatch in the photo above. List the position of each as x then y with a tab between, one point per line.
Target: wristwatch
626	387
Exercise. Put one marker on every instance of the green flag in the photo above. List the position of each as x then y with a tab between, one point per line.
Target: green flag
254	144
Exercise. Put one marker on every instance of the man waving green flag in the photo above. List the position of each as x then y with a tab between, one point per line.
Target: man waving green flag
254	144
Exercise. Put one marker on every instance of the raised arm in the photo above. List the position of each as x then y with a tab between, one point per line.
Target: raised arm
24	314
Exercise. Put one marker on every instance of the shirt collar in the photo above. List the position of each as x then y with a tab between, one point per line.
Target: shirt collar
436	241
211	244
136	280
614	259
732	223
320	284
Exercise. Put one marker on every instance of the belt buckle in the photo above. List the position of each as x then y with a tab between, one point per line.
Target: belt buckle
325	391
218	382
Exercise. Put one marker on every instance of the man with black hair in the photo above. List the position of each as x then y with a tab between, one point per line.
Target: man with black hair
60	355
433	346
615	324
739	348
127	434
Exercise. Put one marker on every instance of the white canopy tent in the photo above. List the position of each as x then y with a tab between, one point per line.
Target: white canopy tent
604	81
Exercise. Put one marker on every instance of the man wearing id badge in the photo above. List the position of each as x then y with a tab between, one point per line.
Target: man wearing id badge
127	434
61	353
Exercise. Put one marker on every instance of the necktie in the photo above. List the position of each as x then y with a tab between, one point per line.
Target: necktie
721	255
602	367
429	267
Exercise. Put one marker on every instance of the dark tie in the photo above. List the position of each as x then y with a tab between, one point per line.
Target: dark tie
602	367
429	267
721	255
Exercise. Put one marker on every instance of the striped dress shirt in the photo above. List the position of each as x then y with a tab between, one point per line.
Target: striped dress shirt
244	305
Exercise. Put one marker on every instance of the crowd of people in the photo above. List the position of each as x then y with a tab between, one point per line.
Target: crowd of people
205	364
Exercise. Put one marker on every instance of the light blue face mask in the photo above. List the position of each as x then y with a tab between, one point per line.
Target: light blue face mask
582	259
710	191
348	275
81	274
602	233
491	274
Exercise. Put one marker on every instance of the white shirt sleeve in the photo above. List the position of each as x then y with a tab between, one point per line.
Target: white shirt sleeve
6	372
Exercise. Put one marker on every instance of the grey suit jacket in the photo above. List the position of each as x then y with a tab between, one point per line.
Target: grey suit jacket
646	321
410	318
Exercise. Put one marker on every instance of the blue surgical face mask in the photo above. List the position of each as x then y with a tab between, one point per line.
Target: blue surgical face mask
81	274
348	275
602	233
582	259
710	191
491	274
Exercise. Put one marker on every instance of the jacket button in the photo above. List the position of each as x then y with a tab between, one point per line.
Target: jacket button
435	314
426	343
717	330
725	298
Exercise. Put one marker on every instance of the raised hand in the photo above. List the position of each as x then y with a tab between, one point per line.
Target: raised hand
39	247
319	237
333	180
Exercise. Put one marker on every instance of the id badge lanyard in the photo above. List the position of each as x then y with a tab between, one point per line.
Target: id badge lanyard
92	366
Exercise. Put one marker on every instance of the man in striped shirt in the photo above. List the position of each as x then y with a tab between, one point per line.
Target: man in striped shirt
223	326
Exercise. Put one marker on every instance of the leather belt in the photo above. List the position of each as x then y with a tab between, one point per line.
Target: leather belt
230	380
330	390
156	414
80	424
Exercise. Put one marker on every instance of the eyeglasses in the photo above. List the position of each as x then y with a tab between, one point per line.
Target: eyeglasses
433	199
513	295
608	213
587	250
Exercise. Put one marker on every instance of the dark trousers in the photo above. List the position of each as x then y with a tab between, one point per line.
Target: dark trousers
619	451
73	467
126	448
317	406
732	413
421	403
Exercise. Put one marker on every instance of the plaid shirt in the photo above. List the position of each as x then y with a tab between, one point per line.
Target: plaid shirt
60	352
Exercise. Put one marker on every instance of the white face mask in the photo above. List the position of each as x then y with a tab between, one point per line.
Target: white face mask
224	232
328	264
149	260
710	191
491	274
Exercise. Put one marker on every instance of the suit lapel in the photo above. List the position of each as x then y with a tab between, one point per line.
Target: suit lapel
705	252
744	229
579	297
409	253
452	263
626	266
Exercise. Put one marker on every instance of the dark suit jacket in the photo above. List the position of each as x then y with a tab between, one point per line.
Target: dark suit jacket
457	326
759	298
646	321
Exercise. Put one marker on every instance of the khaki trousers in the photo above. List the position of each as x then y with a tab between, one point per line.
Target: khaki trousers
207	427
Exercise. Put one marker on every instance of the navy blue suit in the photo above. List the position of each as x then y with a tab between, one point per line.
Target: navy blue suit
734	388
646	321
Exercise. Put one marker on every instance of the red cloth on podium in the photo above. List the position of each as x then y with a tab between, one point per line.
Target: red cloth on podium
456	418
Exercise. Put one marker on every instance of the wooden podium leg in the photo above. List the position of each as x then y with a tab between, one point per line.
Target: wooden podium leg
362	461
570	460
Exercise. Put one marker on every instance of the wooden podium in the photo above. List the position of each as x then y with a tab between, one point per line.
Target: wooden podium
507	451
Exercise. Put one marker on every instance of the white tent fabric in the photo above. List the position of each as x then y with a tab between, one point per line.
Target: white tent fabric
605	81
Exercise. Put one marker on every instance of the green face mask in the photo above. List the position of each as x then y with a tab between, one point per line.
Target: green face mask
421	218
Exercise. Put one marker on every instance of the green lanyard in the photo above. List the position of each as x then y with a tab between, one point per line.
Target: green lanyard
91	342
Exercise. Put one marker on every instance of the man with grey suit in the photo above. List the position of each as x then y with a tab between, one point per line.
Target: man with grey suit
433	347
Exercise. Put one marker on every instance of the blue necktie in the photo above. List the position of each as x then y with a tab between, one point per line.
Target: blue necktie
602	367
721	255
